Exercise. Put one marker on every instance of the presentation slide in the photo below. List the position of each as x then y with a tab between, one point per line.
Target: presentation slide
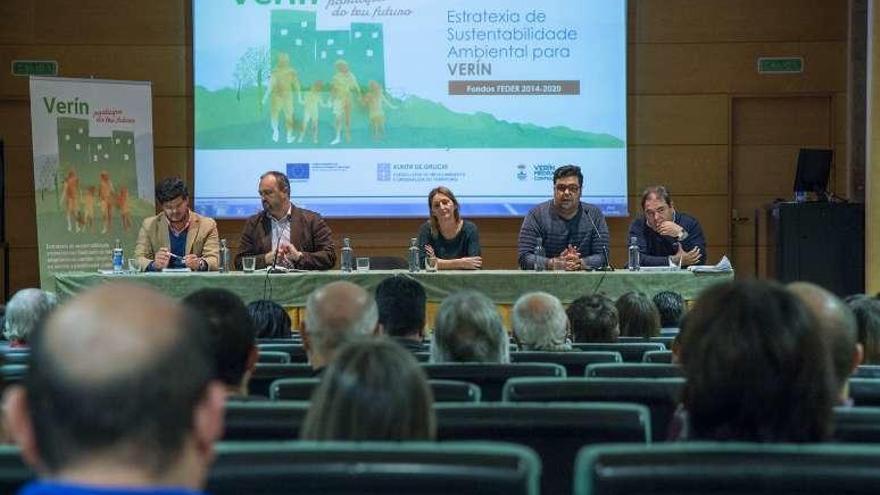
367	105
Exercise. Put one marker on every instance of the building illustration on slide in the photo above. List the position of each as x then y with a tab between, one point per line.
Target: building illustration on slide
313	52
76	148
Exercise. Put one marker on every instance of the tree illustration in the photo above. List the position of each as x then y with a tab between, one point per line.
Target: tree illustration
252	69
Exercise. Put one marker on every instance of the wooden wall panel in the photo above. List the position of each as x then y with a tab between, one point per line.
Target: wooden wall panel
782	120
164	66
740	20
732	68
682	169
156	22
16	21
19	171
15	122
689	119
23	267
172	121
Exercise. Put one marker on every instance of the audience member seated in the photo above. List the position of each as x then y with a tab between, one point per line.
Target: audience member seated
593	319
756	367
401	302
468	329
270	320
374	390
670	305
336	313
867	313
638	315
120	398
540	323
231	335
24	312
838	329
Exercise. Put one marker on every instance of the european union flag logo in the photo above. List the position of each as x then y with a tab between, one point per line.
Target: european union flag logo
383	172
298	171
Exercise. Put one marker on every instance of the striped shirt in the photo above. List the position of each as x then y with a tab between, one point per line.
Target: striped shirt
587	231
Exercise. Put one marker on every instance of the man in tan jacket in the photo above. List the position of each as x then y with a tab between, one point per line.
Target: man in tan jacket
178	237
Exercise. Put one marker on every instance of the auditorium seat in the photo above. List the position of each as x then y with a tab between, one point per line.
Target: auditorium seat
273	357
857	424
295	339
665	340
264	420
633	370
12	373
575	362
322	468
867	371
300	389
659	395
296	351
16	357
555	431
13	471
631	352
865	391
728	469
664	357
490	377
266	373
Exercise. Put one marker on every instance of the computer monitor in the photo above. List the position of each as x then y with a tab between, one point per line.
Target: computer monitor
813	169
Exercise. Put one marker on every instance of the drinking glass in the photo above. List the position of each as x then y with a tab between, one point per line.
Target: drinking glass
133	266
363	264
248	263
430	263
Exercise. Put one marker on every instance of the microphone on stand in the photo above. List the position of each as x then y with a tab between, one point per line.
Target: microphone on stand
607	267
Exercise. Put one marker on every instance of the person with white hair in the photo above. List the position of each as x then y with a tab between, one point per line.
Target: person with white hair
540	323
336	314
468	329
24	312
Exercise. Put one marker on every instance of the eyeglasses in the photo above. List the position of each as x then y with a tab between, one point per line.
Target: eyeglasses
572	188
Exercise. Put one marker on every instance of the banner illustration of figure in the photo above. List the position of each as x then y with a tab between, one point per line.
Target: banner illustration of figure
283	82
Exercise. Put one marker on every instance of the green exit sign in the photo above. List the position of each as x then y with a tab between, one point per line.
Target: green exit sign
780	65
34	67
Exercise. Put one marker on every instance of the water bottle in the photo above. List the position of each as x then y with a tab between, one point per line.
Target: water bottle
540	256
413	255
633	262
345	261
117	257
224	256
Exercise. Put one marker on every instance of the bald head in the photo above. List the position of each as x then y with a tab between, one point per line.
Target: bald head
335	313
837	324
540	322
116	374
128	326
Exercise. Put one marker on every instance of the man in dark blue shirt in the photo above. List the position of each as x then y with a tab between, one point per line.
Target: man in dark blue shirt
664	235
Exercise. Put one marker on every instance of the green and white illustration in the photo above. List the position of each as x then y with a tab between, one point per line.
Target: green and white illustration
93	168
326	80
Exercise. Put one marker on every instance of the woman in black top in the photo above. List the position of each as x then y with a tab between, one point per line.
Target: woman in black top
453	241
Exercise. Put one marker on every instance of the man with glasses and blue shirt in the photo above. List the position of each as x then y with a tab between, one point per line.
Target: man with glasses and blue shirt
177	238
297	237
664	235
574	234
